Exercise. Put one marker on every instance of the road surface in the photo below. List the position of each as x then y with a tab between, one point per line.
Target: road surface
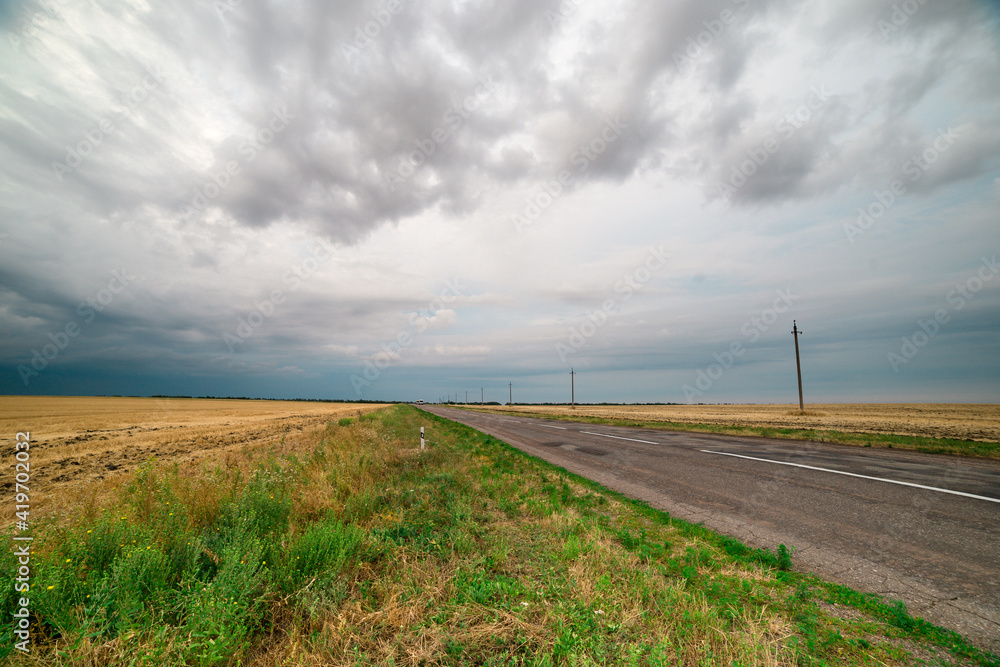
916	527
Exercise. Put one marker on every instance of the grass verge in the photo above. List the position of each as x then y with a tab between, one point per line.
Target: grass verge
973	448
355	548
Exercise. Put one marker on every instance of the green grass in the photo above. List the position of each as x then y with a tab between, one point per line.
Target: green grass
354	548
973	448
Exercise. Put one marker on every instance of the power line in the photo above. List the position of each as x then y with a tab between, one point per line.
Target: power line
798	364
572	387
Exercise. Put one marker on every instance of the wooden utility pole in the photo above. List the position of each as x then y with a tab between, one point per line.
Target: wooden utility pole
466	396
798	364
510	401
482	396
572	387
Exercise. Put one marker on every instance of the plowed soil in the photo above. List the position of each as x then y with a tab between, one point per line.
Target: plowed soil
93	439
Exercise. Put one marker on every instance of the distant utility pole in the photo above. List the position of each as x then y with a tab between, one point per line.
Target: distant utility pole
798	364
572	387
510	401
466	396
482	396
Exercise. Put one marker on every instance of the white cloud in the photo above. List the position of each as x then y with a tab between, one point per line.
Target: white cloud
343	350
441	320
461	351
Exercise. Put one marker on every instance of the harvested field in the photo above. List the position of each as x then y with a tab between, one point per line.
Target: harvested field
962	422
97	439
345	545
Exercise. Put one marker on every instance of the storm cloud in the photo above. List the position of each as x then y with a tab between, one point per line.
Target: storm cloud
291	187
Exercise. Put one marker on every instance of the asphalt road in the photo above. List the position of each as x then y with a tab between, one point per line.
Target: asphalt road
908	526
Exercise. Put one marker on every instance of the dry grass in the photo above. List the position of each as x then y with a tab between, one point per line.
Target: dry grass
88	445
961	422
468	553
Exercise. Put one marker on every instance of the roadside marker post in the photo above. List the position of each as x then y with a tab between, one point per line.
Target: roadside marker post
421	438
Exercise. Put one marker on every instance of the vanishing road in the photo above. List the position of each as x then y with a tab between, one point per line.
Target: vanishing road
922	528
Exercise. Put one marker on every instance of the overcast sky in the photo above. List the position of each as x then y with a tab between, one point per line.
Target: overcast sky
401	199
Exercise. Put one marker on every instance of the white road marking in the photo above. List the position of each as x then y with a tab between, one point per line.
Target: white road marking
561	428
604	435
852	474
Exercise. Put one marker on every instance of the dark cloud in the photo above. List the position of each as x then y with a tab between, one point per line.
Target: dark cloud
207	145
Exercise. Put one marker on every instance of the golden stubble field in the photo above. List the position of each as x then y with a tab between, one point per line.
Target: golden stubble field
93	441
959	421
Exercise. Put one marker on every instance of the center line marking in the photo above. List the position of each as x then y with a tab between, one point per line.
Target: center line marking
852	474
604	435
561	428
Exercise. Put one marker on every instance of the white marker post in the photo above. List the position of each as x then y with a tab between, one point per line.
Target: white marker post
421	438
